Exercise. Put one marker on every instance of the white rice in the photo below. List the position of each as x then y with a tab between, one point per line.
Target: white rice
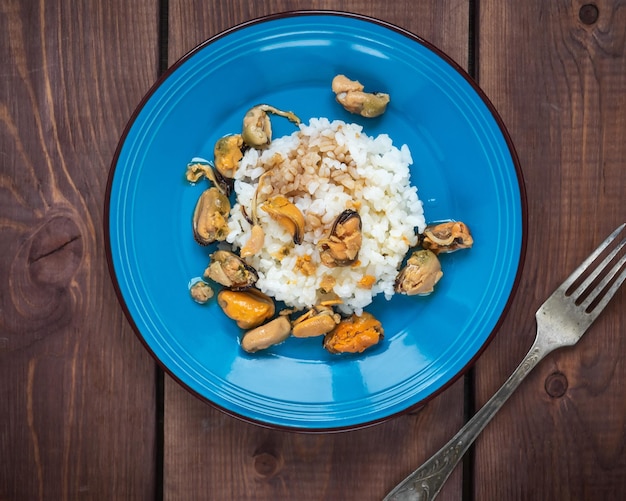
325	168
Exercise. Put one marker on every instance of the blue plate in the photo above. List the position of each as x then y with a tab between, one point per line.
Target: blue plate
464	167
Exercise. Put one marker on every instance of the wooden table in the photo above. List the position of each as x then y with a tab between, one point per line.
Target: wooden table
84	411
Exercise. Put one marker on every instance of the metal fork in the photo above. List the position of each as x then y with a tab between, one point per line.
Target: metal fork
561	321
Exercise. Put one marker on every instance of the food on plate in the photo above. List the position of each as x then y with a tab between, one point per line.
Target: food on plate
201	292
317	321
257	127
447	237
342	246
354	334
257	234
210	217
287	215
196	171
420	275
228	269
227	153
254	243
349	93
338	177
249	308
321	221
266	335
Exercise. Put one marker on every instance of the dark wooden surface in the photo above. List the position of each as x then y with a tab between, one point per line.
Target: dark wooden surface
82	412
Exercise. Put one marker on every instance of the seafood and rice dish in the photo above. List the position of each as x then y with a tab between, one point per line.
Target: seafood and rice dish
321	220
325	169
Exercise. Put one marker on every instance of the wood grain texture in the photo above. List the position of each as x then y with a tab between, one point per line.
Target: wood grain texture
563	434
209	455
77	389
444	23
77	392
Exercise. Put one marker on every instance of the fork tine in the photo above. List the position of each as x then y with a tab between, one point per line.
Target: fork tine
592	257
597	308
598	270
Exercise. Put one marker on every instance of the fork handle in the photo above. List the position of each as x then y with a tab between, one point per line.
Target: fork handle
426	482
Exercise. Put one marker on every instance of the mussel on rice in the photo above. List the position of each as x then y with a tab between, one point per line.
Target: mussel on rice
228	269
257	234
342	246
287	215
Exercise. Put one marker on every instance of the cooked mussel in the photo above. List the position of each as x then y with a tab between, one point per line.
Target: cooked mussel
342	246
447	237
317	321
287	215
197	170
227	154
349	93
210	217
230	270
254	243
266	335
354	334
249	308
257	127
419	276
201	292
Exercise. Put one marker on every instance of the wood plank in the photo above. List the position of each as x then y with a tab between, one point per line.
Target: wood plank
209	452
444	23
77	418
212	455
563	98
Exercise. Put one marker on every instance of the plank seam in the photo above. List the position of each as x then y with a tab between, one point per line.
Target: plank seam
470	377
163	63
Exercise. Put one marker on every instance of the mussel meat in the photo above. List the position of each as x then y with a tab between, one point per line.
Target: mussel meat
354	334
257	127
342	246
257	233
230	270
254	243
287	215
197	170
419	276
210	217
227	153
447	237
349	93
249	308
317	321
201	292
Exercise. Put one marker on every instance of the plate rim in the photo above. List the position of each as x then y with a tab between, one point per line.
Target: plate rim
337	14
